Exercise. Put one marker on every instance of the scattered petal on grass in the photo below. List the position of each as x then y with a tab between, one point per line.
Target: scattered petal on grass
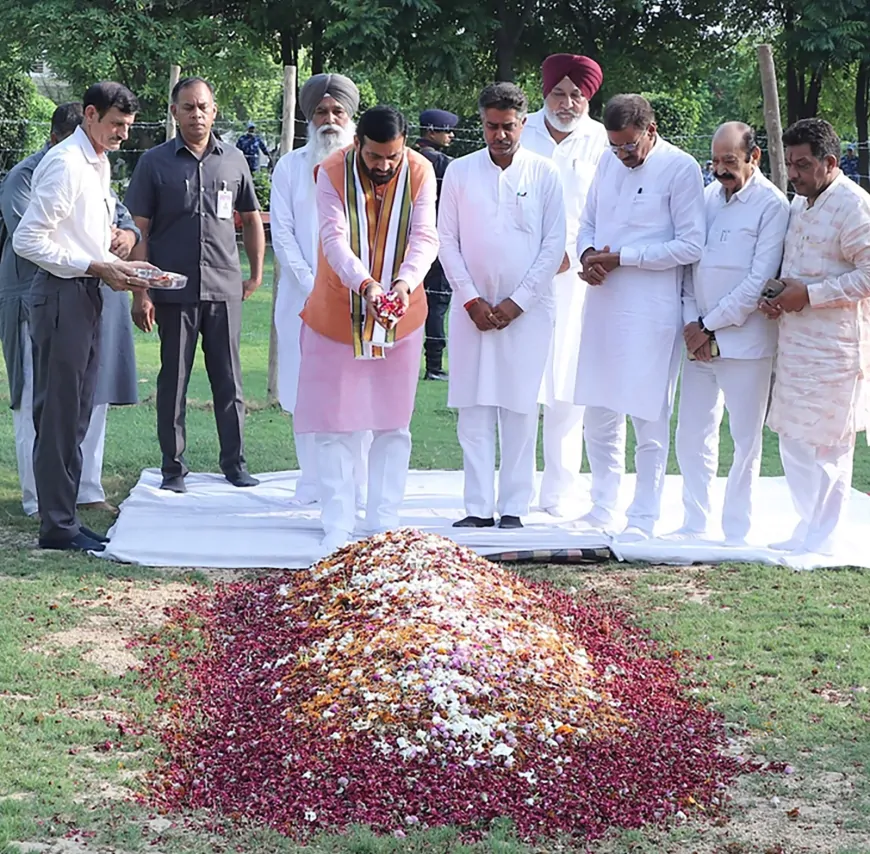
407	682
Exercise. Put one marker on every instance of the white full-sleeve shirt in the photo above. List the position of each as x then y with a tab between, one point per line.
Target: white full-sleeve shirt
68	223
653	216
745	236
502	234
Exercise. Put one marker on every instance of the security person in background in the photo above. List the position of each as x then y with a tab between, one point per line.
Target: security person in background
182	196
436	133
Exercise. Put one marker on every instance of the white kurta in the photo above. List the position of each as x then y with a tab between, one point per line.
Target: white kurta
502	234
653	216
744	248
293	215
576	157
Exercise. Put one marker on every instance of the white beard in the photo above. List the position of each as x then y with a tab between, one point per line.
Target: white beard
561	125
327	139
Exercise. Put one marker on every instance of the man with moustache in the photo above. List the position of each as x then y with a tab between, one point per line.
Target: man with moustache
643	222
729	343
182	196
116	375
502	231
359	370
436	134
564	132
329	102
66	232
821	393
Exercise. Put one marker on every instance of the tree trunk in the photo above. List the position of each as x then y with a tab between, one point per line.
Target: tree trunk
317	46
505	53
862	117
794	93
289	47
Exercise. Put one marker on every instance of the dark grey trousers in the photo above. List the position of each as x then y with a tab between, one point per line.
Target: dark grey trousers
179	326
65	331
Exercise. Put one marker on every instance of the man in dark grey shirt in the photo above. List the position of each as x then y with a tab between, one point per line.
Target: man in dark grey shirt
182	196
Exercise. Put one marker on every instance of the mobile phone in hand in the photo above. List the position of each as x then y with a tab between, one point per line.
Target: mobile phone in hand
772	288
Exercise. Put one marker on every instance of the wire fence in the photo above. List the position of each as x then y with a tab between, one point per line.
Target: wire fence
467	138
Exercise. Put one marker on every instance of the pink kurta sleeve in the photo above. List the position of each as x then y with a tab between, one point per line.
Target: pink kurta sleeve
423	238
853	286
334	235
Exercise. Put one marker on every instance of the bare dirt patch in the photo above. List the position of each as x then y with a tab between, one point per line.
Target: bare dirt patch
132	608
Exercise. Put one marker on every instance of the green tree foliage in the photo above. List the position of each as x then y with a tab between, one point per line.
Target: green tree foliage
19	103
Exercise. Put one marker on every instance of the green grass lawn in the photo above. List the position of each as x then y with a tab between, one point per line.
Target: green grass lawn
785	657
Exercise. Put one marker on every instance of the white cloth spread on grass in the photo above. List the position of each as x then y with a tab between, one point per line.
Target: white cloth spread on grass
216	525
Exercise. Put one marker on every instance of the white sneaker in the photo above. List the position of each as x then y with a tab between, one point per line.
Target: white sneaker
684	533
333	541
631	534
792	544
736	542
305	497
590	524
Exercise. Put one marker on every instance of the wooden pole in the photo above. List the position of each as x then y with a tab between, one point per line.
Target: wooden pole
174	74
288	118
772	119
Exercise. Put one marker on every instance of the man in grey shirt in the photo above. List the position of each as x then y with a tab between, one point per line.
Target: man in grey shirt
116	375
182	196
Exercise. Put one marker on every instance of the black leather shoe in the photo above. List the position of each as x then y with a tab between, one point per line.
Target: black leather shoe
436	375
474	522
100	538
242	478
79	543
174	483
510	522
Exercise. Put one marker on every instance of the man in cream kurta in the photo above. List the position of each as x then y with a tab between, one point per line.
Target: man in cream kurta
502	230
821	394
329	102
746	221
563	132
643	222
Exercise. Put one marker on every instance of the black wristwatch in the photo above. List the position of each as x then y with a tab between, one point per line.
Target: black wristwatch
704	329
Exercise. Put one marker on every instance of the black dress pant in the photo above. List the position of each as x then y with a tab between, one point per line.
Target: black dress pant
65	333
438	295
180	325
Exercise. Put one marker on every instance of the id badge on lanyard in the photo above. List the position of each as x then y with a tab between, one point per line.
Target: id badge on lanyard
224	202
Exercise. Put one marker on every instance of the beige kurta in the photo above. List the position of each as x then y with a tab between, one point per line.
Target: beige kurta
821	395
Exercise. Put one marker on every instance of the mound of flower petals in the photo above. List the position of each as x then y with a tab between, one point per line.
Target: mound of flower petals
406	682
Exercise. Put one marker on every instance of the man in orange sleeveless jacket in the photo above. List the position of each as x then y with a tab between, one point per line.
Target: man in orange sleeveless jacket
359	370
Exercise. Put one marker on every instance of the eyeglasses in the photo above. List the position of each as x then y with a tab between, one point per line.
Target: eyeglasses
628	147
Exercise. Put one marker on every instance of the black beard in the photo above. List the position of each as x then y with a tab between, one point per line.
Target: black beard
726	176
375	177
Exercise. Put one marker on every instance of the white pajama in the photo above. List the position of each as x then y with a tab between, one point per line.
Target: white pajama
820	480
563	455
604	432
517	434
307	489
90	487
742	386
388	458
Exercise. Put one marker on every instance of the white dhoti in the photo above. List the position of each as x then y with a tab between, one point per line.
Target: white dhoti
563	456
517	434
820	481
742	386
90	487
563	419
388	458
604	432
